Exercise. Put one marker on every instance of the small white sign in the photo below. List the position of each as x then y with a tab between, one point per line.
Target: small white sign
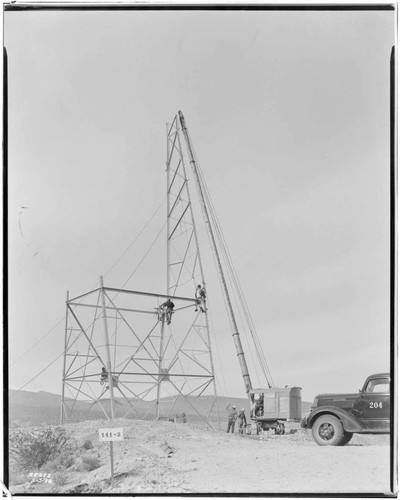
113	434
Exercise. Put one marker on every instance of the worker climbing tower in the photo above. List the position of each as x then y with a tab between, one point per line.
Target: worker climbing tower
153	366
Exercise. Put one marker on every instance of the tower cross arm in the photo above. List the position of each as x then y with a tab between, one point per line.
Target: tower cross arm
157	295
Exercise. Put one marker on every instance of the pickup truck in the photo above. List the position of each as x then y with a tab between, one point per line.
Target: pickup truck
334	418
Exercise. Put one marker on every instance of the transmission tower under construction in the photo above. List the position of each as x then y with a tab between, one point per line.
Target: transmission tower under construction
122	354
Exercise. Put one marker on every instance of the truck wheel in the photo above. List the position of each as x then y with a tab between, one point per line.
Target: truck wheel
346	438
327	431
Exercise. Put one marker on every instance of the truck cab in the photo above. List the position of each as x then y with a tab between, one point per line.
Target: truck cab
334	418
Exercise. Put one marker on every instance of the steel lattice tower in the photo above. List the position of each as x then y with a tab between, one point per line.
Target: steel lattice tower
155	369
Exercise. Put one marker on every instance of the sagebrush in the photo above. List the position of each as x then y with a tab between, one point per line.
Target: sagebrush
90	463
61	461
32	448
88	444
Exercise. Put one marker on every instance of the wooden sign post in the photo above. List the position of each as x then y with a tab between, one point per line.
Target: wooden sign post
111	435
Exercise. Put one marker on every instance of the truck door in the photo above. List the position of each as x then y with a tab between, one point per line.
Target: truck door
373	405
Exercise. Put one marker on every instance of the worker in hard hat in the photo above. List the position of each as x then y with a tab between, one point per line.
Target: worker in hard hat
232	416
201	298
242	420
168	308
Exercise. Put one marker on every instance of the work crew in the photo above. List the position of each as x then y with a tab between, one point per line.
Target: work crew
201	298
168	307
232	415
242	421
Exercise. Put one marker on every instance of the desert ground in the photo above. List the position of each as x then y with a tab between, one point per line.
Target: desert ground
177	458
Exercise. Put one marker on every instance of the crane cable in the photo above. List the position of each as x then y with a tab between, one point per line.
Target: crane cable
239	291
207	206
237	295
233	275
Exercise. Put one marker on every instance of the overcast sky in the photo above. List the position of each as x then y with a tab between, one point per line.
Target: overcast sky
289	114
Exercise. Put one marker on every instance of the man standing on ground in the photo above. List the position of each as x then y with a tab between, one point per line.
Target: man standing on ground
232	415
242	420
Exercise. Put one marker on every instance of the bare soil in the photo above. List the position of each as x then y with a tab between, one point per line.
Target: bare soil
176	458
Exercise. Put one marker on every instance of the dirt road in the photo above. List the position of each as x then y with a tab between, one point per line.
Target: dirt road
164	457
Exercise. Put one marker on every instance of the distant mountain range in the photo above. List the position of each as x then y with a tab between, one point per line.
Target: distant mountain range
41	398
28	409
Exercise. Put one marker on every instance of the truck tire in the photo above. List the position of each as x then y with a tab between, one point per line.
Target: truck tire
327	430
346	438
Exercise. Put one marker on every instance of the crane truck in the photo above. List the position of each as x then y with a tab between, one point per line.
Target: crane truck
269	406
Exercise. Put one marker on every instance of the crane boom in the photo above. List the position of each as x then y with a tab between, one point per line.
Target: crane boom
235	330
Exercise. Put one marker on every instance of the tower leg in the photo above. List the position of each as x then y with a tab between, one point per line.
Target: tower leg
107	344
62	409
160	360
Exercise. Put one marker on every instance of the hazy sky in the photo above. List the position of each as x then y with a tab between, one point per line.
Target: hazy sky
289	114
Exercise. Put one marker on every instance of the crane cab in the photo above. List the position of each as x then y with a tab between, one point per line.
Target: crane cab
270	407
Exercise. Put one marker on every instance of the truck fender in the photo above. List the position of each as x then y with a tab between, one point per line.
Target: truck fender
349	422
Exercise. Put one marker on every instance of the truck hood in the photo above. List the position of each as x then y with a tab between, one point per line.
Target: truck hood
342	400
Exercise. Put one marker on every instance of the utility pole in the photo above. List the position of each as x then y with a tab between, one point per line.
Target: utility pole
235	330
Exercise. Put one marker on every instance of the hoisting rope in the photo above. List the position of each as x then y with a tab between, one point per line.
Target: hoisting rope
44	369
134	240
144	257
38	342
232	273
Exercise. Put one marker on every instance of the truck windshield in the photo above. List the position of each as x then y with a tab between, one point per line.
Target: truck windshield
378	385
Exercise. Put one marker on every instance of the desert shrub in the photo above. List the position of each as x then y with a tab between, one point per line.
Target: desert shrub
63	460
90	463
32	449
87	445
60	478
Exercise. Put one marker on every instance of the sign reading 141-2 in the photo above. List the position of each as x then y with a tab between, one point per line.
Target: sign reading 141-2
111	434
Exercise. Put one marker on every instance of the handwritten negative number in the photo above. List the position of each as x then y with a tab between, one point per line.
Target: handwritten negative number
375	404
